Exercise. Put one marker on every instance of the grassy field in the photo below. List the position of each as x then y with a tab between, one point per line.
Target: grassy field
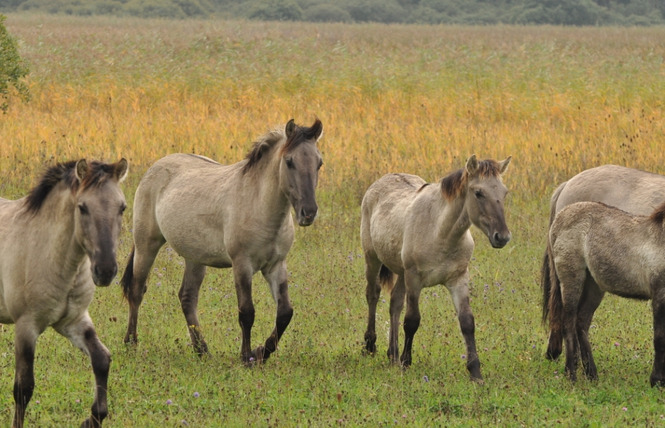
392	98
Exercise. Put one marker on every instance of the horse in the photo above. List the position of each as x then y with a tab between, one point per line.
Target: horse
419	232
56	244
223	216
631	190
596	249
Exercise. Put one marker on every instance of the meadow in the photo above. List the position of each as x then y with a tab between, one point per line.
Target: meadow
392	98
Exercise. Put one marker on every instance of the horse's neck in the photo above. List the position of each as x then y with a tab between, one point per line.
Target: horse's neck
454	220
270	204
54	225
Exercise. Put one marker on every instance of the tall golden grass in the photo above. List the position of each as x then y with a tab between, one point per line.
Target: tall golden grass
392	98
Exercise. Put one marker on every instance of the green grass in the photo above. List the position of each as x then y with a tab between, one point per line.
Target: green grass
392	98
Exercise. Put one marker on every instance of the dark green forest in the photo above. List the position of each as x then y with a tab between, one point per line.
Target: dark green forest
468	12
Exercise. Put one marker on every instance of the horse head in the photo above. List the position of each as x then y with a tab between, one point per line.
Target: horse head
485	196
299	169
100	204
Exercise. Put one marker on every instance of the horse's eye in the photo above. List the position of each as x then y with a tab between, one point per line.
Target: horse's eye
289	163
123	208
320	164
479	194
83	209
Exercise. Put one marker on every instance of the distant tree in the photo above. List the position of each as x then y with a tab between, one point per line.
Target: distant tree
275	10
376	11
12	68
324	12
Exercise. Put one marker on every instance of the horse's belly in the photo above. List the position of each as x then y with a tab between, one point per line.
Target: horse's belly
211	254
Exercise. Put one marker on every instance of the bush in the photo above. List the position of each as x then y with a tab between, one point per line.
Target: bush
276	10
12	68
326	13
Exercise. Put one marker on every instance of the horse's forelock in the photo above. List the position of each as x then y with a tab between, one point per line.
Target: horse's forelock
454	184
301	134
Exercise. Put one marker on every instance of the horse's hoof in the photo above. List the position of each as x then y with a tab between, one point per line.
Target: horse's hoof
478	380
657	382
552	355
256	357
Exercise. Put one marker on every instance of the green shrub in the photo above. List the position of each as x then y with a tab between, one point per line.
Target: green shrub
12	68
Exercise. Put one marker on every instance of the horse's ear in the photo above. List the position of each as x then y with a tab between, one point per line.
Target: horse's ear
472	165
316	130
503	165
121	169
290	128
81	169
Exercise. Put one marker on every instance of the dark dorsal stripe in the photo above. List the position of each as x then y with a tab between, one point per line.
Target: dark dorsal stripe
454	184
65	172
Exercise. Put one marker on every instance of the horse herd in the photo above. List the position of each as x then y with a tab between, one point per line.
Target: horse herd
60	240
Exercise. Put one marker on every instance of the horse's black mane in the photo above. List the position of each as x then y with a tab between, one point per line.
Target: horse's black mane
264	144
453	184
64	172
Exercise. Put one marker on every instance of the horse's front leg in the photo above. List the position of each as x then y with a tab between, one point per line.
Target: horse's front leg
459	290
242	275
396	306
189	299
412	315
658	306
279	287
82	334
24	378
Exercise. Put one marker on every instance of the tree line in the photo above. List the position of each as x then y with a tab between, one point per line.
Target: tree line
463	12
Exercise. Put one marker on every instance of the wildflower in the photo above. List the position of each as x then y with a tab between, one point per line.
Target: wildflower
169	402
463	357
425	378
616	343
196	394
624	408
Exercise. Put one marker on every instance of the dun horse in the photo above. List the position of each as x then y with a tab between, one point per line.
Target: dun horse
55	245
634	191
596	249
227	216
420	232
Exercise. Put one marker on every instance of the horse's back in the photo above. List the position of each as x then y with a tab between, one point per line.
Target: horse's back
384	208
176	202
631	190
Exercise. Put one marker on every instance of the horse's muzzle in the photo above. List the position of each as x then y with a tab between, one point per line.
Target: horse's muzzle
499	240
306	216
102	275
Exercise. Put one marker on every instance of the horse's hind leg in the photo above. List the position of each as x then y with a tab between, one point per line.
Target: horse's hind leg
396	306
277	279
591	298
189	299
135	278
372	293
24	380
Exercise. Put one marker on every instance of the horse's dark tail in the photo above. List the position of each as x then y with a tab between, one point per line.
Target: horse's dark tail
546	268
128	276
386	279
549	281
